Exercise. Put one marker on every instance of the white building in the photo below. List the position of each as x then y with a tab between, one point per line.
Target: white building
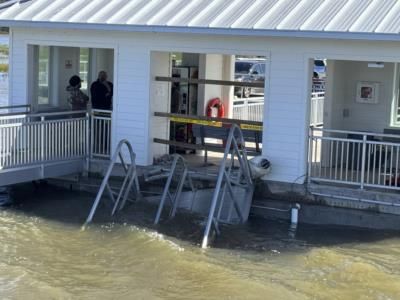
133	39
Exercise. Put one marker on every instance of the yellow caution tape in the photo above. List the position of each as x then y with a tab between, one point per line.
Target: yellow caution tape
194	121
214	123
251	127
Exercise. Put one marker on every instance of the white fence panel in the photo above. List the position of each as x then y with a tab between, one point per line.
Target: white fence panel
355	158
251	109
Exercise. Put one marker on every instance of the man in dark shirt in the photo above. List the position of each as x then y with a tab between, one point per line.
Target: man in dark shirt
102	92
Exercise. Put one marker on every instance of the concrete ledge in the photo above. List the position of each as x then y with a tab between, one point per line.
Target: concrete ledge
328	215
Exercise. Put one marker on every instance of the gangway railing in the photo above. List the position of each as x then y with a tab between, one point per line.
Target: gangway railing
228	179
43	138
100	132
130	181
178	171
14	113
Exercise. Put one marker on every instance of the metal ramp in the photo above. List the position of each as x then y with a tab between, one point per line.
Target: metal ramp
229	181
230	199
179	172
40	146
130	181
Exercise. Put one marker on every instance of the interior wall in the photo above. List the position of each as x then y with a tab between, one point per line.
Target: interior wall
218	67
159	101
346	113
66	65
102	60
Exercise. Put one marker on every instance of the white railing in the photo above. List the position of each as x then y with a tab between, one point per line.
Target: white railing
42	138
317	108
356	158
100	133
251	109
14	113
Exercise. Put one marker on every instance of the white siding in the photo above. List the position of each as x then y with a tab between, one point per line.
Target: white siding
287	97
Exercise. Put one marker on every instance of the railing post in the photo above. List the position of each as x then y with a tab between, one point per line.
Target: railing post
246	111
310	152
87	141
91	121
363	160
42	145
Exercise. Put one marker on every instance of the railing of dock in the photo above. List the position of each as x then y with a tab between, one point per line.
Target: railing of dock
362	159
100	133
43	138
14	113
251	109
317	108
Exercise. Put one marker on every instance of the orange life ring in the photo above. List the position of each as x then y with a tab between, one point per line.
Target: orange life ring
215	103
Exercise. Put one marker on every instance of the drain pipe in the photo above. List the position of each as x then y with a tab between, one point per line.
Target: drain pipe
294	215
294	212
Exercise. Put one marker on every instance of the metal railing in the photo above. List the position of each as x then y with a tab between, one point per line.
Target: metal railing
251	109
100	133
14	113
42	138
317	108
355	158
179	172
130	181
228	179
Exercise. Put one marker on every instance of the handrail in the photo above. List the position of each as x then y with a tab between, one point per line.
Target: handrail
231	148
16	106
355	132
41	122
130	178
175	198
27	114
95	110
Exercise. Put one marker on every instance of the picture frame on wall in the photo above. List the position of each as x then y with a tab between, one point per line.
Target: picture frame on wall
367	92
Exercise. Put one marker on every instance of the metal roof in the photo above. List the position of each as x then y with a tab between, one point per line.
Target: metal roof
365	19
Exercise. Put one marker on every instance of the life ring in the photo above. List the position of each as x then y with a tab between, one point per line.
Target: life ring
215	103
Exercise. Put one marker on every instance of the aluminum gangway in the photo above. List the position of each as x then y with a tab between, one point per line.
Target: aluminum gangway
230	198
39	146
237	183
130	181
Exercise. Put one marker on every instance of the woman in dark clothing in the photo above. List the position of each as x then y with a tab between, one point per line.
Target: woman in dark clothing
77	99
102	92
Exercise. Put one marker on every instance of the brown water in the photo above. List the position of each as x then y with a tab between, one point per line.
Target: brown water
45	255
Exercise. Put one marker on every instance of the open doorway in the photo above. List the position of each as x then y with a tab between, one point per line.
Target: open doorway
318	90
195	96
51	67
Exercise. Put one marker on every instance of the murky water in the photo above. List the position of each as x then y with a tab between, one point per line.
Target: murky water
45	255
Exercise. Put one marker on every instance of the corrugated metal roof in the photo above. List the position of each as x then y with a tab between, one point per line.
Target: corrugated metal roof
369	17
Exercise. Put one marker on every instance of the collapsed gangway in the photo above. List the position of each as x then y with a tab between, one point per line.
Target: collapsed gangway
228	201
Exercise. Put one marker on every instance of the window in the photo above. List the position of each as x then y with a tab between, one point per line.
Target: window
84	67
43	76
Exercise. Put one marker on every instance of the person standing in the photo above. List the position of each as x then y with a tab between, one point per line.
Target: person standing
102	92
77	99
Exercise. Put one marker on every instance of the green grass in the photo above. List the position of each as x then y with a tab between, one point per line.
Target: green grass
4	49
3	68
